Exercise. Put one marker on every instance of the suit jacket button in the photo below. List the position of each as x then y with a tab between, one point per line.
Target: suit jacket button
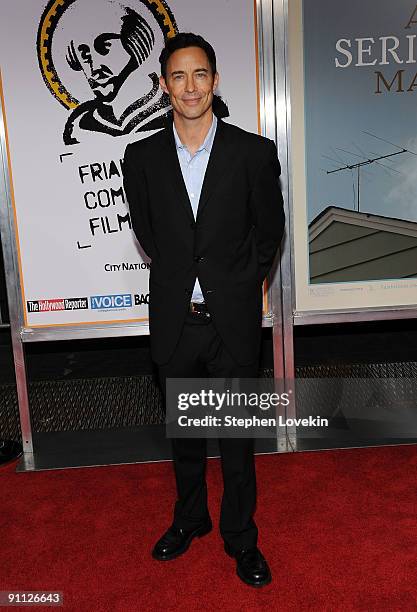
198	259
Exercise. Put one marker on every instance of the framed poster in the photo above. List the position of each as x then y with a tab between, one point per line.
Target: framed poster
353	80
79	81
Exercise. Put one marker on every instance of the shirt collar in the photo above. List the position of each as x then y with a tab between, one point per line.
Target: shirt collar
208	141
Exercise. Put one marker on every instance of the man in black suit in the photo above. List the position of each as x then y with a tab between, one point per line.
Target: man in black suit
206	207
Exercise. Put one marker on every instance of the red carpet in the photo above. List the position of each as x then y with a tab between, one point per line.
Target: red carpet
339	529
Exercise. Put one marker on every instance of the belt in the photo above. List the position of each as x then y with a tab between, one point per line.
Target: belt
199	308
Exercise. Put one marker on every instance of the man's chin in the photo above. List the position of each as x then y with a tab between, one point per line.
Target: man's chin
194	113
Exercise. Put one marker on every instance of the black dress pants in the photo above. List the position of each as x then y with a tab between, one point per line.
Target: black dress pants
200	352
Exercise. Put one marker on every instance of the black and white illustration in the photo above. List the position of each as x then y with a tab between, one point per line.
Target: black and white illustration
104	55
99	59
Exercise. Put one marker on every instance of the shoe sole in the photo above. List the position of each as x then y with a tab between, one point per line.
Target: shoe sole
198	534
257	585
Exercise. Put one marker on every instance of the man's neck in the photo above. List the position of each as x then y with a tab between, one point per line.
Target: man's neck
192	133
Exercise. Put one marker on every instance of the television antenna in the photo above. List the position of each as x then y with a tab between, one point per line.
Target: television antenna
369	161
360	165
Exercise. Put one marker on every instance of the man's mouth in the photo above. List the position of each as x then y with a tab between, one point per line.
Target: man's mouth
191	101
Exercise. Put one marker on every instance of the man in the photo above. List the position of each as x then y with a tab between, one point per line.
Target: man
206	207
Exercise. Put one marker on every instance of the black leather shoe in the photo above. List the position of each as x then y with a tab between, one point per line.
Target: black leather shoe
251	566
176	541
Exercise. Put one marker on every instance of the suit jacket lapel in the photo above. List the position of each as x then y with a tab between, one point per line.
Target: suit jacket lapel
218	163
173	170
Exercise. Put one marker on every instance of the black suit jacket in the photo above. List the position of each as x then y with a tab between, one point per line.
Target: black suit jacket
230	246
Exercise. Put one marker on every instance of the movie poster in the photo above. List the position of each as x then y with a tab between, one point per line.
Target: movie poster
79	82
353	68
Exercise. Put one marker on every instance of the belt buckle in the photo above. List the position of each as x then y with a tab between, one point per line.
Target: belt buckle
195	310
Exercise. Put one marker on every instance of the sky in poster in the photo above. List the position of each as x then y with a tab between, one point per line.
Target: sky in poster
342	108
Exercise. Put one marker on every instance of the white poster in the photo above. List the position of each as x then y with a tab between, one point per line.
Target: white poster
354	153
79	82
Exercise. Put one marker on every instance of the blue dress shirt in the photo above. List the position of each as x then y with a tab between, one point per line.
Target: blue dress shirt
193	168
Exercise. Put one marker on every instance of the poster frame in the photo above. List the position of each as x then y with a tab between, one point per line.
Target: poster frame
324	316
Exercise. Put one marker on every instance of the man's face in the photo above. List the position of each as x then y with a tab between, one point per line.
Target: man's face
105	64
190	82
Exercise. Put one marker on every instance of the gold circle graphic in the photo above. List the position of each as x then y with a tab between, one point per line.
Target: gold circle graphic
49	20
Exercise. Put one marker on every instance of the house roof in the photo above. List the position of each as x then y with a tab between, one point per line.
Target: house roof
353	217
348	246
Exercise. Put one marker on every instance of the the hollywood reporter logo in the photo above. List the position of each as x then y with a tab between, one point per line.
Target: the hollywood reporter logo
57	304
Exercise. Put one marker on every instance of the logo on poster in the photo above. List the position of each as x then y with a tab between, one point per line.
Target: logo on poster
126	266
109	302
100	61
141	299
49	305
110	50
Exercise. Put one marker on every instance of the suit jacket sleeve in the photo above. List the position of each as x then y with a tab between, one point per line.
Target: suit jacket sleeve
268	209
134	183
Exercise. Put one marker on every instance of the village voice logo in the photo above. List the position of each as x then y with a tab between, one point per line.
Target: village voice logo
111	302
100	60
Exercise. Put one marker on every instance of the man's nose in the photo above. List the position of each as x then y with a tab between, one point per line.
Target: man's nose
189	84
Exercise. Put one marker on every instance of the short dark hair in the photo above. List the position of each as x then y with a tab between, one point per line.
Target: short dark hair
182	41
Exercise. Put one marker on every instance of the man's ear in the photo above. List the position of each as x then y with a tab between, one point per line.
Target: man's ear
163	84
216	81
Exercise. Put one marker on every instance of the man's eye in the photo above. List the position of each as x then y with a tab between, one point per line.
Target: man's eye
177	77
201	75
